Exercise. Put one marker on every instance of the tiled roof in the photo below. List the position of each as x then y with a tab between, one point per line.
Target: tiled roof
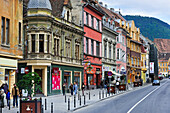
163	45
111	13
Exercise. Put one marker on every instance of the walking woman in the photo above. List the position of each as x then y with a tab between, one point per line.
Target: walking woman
83	88
71	88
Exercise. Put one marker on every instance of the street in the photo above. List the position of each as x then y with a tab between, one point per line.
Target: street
150	99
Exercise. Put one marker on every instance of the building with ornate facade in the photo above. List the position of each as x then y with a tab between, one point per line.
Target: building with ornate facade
134	57
109	35
163	55
53	45
11	43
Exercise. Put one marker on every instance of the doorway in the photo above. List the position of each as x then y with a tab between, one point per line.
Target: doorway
39	72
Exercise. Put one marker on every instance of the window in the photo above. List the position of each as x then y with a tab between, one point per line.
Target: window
33	42
77	52
68	49
19	32
123	38
117	39
166	64
92	47
48	41
127	58
110	51
135	62
68	15
3	31
97	49
97	24
114	52
57	46
105	50
132	46
87	19
132	60
163	69
92	25
7	31
163	64
138	61
41	43
117	53
87	46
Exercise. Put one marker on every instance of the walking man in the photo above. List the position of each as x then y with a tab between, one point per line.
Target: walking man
15	94
75	88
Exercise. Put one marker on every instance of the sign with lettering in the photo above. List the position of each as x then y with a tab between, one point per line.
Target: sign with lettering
151	67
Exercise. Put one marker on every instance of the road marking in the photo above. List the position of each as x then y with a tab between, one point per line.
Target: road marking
144	98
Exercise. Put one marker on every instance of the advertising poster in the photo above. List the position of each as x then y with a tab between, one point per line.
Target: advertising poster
151	67
56	79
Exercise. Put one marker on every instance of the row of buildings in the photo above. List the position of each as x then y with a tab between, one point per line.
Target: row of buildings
69	40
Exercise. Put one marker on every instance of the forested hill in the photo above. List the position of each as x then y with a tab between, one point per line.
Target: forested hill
151	27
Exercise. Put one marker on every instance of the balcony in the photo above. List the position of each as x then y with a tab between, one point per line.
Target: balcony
107	60
39	56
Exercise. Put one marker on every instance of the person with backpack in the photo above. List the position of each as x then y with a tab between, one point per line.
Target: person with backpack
75	88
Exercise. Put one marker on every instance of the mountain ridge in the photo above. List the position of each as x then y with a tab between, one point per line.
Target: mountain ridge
151	27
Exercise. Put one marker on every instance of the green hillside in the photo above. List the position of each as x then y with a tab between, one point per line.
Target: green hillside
151	27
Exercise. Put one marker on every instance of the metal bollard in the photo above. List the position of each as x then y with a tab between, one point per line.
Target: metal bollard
102	93
65	99
99	95
80	100
51	107
45	104
74	100
78	96
31	110
84	99
89	95
68	103
106	93
42	109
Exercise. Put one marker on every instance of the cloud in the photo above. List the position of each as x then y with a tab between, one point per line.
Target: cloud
153	8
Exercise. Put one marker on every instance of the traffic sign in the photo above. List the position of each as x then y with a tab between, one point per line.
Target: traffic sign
26	70
110	73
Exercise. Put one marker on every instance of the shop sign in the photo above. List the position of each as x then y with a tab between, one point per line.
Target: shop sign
56	79
86	63
151	67
2	71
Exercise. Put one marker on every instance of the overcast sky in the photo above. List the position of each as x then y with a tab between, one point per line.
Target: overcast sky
153	8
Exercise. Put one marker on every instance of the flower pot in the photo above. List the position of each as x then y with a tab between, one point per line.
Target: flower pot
122	87
136	84
27	105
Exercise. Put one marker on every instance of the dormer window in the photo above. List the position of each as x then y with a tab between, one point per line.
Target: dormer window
68	15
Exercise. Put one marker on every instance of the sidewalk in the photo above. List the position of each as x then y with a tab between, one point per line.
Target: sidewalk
59	105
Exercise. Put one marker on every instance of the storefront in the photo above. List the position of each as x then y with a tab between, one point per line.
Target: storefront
8	69
62	74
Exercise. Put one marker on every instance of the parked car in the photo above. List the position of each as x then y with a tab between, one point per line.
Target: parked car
155	82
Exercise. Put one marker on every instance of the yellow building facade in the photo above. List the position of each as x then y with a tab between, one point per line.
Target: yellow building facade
11	15
163	67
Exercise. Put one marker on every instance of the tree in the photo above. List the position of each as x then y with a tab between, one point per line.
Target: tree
28	81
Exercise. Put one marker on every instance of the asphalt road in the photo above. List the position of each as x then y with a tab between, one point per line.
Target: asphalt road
149	99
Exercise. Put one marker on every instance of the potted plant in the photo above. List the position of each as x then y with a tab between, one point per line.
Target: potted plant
122	86
30	82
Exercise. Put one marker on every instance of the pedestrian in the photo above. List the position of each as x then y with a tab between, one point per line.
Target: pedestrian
2	97
20	93
8	97
117	84
71	88
15	94
63	88
75	88
5	87
101	84
83	88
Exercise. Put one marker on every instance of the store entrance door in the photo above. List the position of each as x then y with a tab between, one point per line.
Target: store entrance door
39	72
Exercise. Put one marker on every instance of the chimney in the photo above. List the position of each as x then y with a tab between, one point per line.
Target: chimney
112	9
101	3
106	6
